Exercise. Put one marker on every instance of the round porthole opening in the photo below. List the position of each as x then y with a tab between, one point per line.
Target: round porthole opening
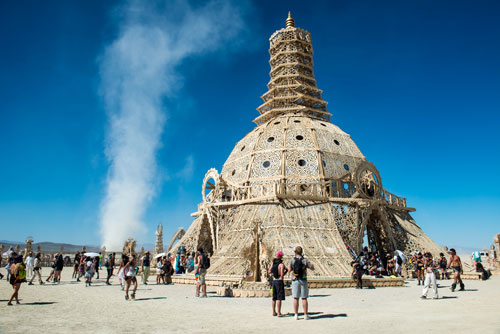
301	163
234	172
336	142
346	167
270	139
299	137
266	164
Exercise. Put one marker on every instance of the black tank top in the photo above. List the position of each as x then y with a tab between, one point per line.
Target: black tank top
276	273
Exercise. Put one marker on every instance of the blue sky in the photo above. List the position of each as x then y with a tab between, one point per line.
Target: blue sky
416	85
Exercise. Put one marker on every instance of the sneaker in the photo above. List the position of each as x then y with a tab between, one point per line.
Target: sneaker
30	283
197	295
306	317
126	297
423	297
203	296
435	297
133	297
296	317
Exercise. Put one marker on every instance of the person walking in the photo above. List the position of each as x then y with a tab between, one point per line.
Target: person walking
456	264
17	277
37	269
202	264
129	272
430	276
146	262
278	271
298	267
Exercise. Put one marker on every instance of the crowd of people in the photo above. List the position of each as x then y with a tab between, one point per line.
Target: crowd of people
426	267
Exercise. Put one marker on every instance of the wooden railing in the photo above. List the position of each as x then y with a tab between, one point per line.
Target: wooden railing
322	191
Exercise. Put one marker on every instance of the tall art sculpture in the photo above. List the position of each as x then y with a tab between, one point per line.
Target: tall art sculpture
297	179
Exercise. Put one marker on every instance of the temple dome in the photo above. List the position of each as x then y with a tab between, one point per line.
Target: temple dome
292	147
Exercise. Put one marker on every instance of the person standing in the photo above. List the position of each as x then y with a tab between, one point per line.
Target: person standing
30	264
298	267
59	264
443	263
107	264
76	265
37	270
456	264
278	271
145	264
202	264
430	276
358	270
113	262
95	260
398	262
89	272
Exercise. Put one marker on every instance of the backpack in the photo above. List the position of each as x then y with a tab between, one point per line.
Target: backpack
298	268
399	260
21	273
205	261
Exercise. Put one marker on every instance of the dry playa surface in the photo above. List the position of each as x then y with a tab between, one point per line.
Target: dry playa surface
70	307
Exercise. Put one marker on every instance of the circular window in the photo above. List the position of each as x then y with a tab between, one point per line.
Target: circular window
346	166
243	147
301	163
276	123
296	121
299	137
234	172
323	124
266	164
336	142
270	139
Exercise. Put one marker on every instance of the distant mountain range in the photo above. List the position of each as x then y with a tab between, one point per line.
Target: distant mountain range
49	246
56	246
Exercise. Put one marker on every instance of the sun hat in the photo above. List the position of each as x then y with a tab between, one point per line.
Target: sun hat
279	254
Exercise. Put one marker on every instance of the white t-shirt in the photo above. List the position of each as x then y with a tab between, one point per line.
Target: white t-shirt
30	262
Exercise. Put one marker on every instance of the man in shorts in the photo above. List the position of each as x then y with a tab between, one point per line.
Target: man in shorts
201	270
298	268
456	264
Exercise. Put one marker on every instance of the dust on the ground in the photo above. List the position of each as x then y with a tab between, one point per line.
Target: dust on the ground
70	307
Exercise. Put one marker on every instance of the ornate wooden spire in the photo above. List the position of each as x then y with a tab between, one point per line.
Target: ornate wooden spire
292	87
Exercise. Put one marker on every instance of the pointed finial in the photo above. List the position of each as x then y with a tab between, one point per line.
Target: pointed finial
290	22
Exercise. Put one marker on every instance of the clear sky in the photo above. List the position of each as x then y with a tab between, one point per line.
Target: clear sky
415	84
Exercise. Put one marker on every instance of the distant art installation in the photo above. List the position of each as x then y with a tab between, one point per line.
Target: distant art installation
297	179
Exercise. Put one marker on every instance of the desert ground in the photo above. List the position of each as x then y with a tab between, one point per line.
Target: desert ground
70	307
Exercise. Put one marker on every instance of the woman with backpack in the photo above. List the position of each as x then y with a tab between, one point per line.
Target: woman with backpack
17	277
